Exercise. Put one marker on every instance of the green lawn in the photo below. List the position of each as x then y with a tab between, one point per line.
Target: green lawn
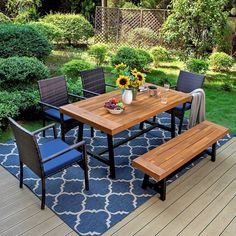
220	105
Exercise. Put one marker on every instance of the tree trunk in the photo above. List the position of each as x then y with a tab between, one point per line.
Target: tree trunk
104	3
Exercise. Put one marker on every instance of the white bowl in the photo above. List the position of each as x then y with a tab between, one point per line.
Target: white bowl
115	111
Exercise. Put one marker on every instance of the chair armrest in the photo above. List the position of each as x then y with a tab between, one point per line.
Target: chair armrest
110	85
45	128
74	146
48	105
76	96
93	93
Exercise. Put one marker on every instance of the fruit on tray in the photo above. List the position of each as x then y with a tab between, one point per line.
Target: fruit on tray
114	104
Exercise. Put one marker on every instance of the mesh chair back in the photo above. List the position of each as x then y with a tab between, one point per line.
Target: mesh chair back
27	147
94	81
187	82
54	91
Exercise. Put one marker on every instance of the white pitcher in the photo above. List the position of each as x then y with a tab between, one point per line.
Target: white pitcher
127	96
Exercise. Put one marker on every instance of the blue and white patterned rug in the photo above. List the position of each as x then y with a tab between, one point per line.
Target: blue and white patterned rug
108	201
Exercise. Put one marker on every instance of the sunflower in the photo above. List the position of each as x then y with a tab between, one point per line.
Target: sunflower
140	78
123	82
120	66
134	71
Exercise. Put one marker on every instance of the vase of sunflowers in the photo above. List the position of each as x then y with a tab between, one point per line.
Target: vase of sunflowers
128	79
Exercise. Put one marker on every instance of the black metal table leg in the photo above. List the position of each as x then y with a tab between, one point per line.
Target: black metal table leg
145	181
81	132
213	153
111	156
172	123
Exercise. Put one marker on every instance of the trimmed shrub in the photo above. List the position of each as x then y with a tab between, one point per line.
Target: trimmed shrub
134	58
220	61
197	65
73	68
26	16
15	102
160	54
4	18
50	31
74	26
22	40
142	37
98	51
17	72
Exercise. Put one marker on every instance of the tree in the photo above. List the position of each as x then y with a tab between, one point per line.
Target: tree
195	26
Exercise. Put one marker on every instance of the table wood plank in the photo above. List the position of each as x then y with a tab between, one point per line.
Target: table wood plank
92	112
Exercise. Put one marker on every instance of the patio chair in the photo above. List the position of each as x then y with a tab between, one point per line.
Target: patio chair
93	82
187	82
53	94
48	158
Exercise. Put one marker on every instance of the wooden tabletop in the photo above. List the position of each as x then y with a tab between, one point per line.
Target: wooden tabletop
92	112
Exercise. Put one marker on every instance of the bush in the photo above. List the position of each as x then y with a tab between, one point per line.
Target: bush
220	61
134	58
197	65
20	72
144	57
142	37
22	40
159	54
26	16
74	27
73	68
50	31
4	18
98	51
13	103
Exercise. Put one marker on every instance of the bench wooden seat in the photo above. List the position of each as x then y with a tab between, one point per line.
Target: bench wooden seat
162	161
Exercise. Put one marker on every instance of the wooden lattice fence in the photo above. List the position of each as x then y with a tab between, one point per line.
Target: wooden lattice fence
135	27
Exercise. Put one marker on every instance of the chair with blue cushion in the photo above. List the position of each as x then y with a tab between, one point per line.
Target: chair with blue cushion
187	82
53	94
48	158
93	82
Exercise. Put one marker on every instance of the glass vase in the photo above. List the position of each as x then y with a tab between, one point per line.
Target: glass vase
134	91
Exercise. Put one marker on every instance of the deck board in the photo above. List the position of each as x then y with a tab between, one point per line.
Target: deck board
202	201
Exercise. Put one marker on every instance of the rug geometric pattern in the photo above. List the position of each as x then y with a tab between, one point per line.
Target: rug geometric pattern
108	201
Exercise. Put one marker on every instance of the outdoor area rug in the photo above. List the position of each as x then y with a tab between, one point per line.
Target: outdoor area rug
108	201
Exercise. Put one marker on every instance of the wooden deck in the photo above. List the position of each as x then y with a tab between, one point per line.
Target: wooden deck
201	202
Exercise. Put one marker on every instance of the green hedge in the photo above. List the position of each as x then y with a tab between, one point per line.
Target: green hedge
134	58
22	40
50	31
4	18
74	26
21	71
197	65
220	61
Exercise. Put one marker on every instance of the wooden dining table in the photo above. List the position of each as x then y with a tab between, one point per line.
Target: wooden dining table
92	112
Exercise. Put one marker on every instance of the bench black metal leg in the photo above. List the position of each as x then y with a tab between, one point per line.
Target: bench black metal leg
111	156
145	181
172	123
162	185
213	154
80	132
43	194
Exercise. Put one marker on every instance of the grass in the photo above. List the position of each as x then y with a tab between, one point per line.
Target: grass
220	105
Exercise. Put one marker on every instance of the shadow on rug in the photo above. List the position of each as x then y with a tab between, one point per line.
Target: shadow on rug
108	201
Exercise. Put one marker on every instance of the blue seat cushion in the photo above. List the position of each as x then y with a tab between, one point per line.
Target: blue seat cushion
187	107
56	114
49	148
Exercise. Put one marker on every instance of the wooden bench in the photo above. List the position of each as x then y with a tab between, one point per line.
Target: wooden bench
162	161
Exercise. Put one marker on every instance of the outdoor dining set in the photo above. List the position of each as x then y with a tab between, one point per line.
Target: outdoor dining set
55	155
